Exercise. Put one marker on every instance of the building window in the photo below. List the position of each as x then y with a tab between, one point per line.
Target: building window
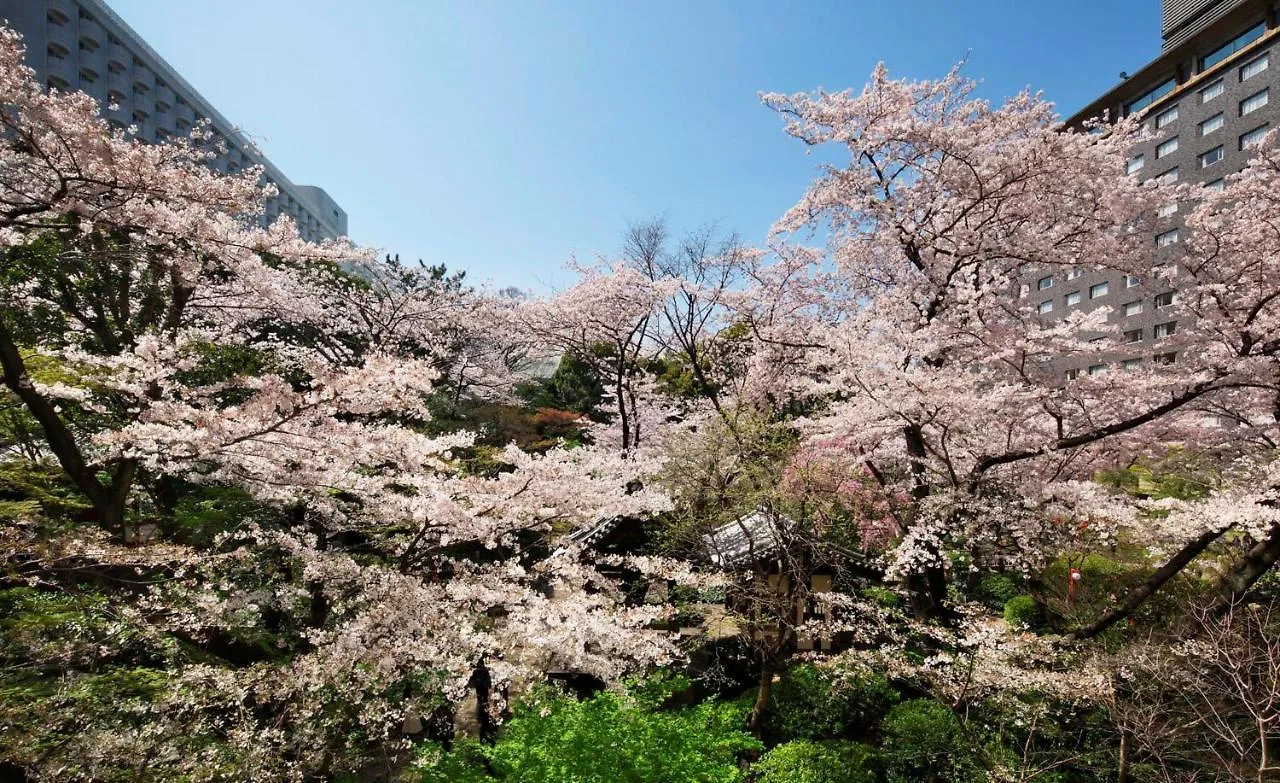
1161	331
1211	157
1133	336
57	18
1167	210
1098	290
114	98
139	115
1072	298
58	51
1163	271
1169	177
115	67
1131	365
1074	272
1233	46
1150	97
1255	67
1096	369
1165	358
1131	281
1167	116
1168	299
57	83
1218	185
1212	91
1045	307
1254	137
1210	125
1044	283
1022	292
1073	374
1130	308
87	76
1167	238
1135	165
1167	147
1254	102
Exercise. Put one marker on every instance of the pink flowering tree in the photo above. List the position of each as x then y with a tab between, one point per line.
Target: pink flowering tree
160	347
941	380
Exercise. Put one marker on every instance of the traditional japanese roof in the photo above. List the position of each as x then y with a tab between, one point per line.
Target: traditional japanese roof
748	538
592	533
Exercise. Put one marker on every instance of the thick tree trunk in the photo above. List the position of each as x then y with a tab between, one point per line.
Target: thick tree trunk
1138	595
109	501
763	692
928	589
1236	583
1122	771
623	418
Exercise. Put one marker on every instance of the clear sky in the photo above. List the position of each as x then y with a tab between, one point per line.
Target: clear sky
500	137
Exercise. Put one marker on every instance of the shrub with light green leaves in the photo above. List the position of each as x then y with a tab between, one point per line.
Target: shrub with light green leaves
553	738
1023	611
832	761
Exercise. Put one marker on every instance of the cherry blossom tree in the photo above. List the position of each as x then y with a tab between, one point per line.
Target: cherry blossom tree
930	367
165	344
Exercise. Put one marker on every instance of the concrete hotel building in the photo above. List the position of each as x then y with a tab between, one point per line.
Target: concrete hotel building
1210	95
84	45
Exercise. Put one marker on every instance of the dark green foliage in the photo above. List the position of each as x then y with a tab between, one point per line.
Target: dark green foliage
1023	611
1104	579
996	590
1032	730
802	761
31	488
883	596
574	386
812	702
924	742
610	737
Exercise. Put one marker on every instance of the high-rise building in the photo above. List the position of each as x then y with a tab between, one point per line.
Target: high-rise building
83	45
1208	98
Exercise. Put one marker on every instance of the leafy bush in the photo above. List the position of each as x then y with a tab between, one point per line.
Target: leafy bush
884	597
834	761
811	703
1023	611
996	590
464	764
925	743
555	739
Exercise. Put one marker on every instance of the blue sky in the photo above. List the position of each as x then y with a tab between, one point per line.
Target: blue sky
500	137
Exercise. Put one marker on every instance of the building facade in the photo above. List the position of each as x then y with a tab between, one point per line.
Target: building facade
83	45
1208	98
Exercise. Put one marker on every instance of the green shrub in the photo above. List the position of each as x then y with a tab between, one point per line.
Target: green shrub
835	761
996	590
464	764
812	702
610	737
1023	611
884	597
924	742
